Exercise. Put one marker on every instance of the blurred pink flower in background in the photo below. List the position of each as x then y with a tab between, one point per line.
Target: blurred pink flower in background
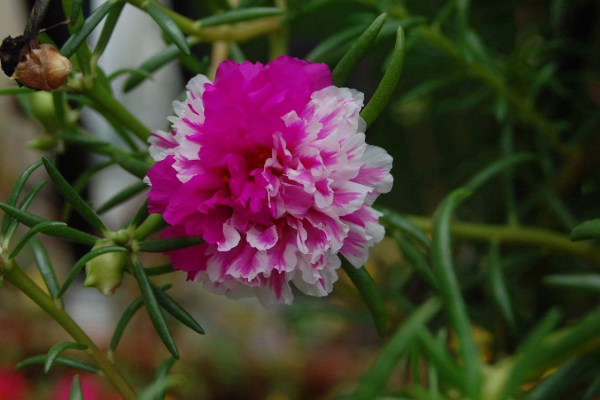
93	389
13	384
269	166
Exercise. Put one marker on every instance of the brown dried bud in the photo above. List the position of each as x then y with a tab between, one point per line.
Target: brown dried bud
39	67
43	69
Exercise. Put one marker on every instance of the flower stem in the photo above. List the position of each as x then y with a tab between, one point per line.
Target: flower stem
516	235
15	275
238	32
110	105
153	223
278	40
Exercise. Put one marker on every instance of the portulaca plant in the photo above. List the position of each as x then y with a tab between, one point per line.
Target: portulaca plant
264	185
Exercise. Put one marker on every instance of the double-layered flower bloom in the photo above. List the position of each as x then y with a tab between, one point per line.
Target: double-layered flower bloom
269	165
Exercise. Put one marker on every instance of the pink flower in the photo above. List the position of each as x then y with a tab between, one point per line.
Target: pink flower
269	166
13	384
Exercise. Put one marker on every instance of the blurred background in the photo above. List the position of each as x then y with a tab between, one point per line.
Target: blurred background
481	80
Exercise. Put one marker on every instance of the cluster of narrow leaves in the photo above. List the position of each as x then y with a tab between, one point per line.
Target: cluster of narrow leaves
130	241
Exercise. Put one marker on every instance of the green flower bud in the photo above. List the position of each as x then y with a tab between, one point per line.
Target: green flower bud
42	108
43	142
105	272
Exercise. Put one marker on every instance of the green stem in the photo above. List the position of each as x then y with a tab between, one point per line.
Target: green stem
516	235
153	223
278	40
15	275
109	104
238	32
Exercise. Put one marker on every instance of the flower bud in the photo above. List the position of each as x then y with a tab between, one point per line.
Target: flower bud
39	67
43	142
105	272
43	110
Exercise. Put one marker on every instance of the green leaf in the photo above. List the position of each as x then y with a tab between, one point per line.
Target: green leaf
529	351
369	292
498	286
69	194
156	315
153	223
497	167
24	206
82	181
579	338
81	140
79	37
16	191
128	314
76	392
63	361
398	221
236	53
171	306
376	378
334	45
449	288
156	388
239	15
165	245
132	71
15	90
45	266
44	226
161	373
140	216
122	196
388	84
569	375
416	259
168	26
583	282
56	350
153	64
439	355
159	270
83	260
132	165
60	107
593	390
588	230
558	207
114	123
108	29
63	232
193	65
357	52
75	10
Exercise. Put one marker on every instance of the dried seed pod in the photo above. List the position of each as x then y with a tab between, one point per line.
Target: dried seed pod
39	67
43	69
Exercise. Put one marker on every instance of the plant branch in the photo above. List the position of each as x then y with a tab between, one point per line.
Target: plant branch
515	235
15	275
238	32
